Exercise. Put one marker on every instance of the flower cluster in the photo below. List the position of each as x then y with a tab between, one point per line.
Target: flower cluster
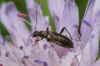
25	50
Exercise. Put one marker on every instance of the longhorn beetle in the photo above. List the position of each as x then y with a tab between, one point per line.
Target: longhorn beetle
55	37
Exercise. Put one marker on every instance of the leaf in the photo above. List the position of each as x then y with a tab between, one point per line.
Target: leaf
1	2
3	30
98	57
82	4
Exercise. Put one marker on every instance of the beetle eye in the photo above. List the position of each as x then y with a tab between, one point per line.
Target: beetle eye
34	35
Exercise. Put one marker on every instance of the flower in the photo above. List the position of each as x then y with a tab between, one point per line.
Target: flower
25	50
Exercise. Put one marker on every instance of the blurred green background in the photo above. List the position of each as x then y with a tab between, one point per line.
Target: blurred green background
21	6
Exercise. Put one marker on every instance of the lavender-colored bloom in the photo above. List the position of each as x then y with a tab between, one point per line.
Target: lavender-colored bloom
65	13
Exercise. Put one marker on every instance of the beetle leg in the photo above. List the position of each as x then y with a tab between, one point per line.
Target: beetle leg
64	28
47	29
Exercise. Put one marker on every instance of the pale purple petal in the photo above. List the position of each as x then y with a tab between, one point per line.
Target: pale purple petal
15	26
90	51
1	39
87	22
38	21
97	63
91	18
56	7
96	8
90	33
66	11
30	8
69	19
65	14
44	57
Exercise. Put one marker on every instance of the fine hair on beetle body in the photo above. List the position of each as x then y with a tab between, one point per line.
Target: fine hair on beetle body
55	37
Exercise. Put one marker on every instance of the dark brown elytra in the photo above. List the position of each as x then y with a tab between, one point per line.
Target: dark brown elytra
55	37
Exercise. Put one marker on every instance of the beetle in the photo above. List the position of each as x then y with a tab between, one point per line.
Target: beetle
55	37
